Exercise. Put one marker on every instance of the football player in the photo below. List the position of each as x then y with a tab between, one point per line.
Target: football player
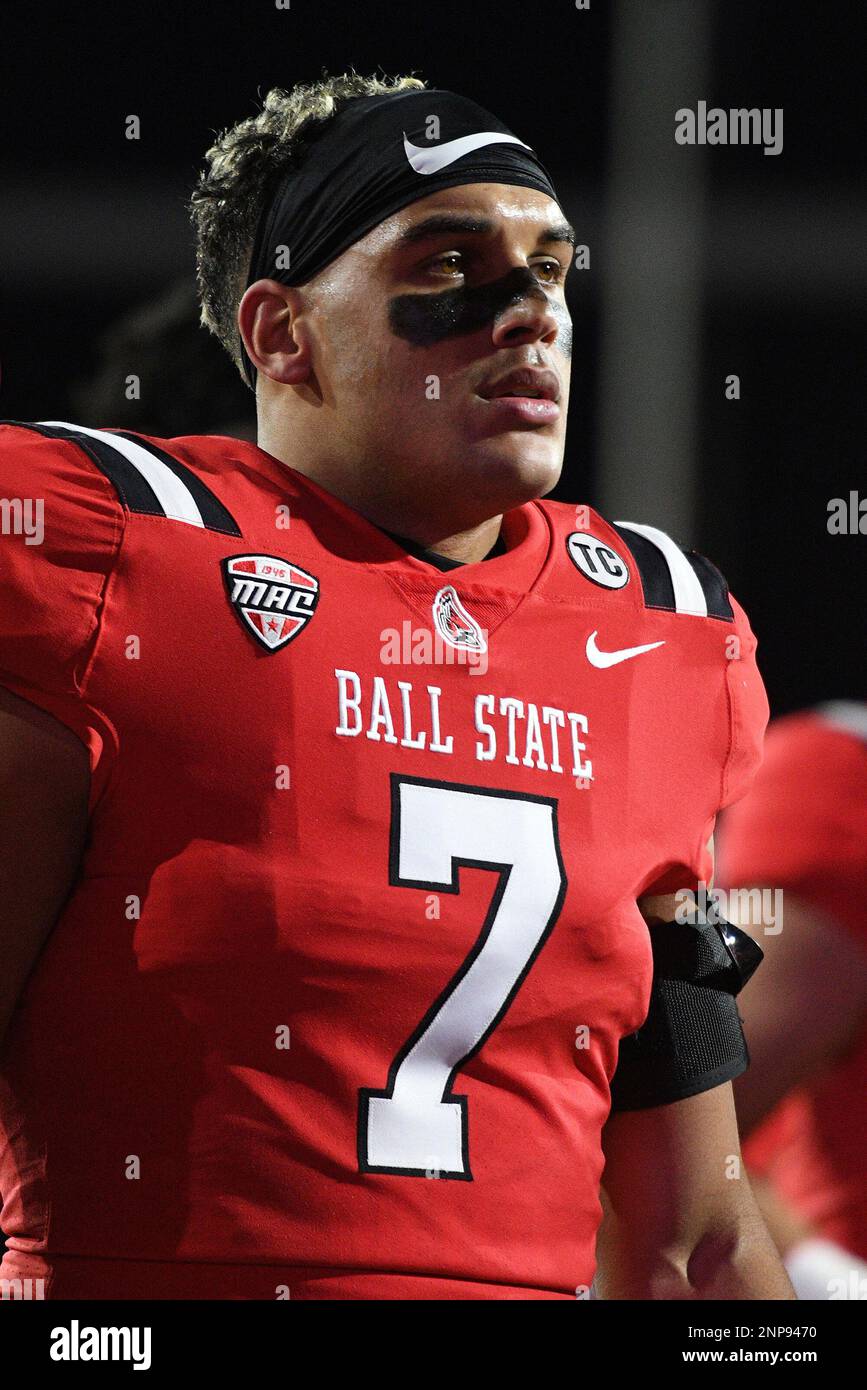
802	833
348	783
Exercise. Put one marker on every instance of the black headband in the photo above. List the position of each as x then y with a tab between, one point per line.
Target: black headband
376	156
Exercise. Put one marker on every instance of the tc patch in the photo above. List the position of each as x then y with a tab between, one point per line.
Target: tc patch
597	561
274	599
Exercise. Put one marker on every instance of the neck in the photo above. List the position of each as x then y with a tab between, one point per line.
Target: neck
372	495
464	546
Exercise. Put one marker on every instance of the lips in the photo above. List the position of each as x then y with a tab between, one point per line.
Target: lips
526	383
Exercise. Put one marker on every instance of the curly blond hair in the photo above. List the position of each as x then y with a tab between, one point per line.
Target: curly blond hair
243	167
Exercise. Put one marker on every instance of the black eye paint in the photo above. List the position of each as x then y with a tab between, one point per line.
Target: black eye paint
425	319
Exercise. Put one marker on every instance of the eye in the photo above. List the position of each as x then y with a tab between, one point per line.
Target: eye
449	263
550	271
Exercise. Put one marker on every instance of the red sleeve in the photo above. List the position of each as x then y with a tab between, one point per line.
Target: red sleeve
730	713
748	709
804	826
62	523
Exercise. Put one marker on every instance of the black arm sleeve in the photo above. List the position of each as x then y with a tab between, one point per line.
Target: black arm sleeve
692	1038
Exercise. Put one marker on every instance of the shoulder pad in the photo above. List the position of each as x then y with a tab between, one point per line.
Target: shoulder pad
146	478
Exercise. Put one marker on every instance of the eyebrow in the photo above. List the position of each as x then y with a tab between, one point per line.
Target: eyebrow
442	223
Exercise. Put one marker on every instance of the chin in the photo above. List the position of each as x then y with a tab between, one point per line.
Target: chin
518	466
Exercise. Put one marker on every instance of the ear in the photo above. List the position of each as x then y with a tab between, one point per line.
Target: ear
272	324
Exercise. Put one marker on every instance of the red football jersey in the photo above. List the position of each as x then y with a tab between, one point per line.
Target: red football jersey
813	1145
333	1008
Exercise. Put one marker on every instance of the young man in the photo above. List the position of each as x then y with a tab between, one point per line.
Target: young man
383	754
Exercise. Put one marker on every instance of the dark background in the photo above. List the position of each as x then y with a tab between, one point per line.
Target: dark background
703	262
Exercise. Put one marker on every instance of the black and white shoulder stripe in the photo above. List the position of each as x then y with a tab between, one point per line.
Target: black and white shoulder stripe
146	478
672	578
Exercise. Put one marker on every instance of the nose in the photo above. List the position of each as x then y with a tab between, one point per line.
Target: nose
528	316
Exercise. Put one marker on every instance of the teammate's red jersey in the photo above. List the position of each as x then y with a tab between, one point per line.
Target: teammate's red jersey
336	1000
803	828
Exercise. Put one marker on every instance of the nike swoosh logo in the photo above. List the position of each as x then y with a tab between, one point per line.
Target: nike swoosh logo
429	159
604	659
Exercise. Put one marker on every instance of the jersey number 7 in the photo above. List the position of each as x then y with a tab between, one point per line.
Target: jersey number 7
416	1126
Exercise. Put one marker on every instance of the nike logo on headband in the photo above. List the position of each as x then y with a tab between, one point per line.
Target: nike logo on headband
429	159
